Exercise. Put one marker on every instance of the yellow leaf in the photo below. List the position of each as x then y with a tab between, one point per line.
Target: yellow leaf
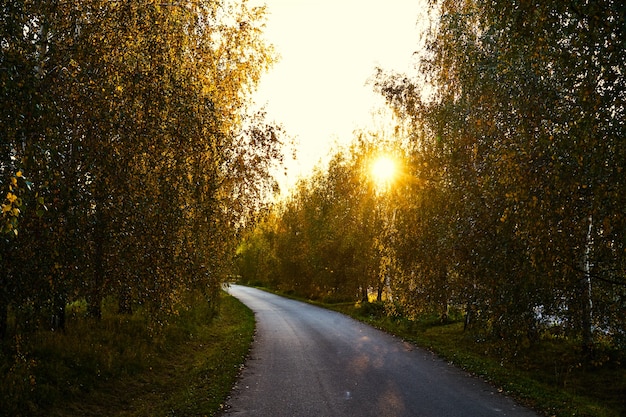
11	197
18	174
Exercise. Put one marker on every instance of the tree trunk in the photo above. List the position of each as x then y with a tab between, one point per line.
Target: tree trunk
443	281
95	296
124	301
94	299
364	295
468	316
379	290
4	310
444	312
586	296
57	321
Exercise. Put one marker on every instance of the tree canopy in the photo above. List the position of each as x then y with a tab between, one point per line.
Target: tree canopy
129	158
512	204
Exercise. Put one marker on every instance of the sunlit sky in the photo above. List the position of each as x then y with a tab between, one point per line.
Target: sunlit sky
328	50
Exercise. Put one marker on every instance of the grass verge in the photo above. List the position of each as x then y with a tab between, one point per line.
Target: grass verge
119	367
546	376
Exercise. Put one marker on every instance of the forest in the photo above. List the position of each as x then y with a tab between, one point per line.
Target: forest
134	177
506	209
129	157
130	160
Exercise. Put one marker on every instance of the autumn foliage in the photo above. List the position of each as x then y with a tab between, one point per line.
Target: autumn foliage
510	211
128	157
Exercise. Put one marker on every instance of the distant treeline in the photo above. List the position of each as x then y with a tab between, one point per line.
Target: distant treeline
509	205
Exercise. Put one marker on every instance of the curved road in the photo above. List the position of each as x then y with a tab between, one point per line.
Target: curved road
308	361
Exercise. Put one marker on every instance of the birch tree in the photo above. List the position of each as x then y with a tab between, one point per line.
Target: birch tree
527	114
131	122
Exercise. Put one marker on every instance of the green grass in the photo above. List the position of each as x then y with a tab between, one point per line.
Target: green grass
123	367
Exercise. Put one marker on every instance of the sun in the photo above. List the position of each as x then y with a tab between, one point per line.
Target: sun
383	170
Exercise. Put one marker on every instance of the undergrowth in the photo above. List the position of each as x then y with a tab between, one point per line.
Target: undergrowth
128	365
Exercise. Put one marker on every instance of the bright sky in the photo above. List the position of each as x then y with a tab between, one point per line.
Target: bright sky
329	49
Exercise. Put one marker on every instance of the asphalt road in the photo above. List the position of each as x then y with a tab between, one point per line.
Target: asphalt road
307	361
